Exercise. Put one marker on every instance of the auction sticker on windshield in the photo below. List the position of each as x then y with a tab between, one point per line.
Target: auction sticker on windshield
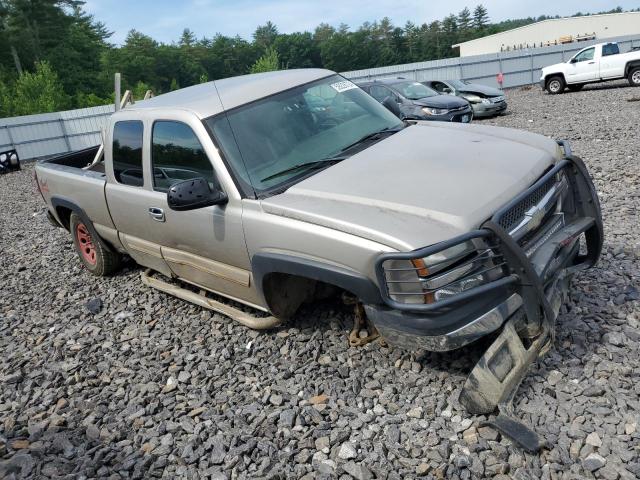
343	86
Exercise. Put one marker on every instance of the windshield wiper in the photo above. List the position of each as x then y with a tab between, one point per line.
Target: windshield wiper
370	136
306	166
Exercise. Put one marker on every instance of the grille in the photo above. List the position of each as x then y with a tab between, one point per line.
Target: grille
515	215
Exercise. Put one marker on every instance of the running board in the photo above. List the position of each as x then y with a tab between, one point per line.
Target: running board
246	319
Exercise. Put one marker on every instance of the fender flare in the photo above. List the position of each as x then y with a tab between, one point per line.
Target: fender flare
263	264
629	65
555	74
57	202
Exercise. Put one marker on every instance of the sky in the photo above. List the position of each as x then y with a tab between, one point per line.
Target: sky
164	20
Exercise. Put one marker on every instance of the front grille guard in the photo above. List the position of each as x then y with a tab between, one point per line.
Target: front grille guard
495	379
520	274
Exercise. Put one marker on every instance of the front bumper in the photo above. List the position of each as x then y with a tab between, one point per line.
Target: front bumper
533	288
488	109
457	116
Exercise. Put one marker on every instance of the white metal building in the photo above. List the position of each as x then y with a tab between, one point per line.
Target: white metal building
555	31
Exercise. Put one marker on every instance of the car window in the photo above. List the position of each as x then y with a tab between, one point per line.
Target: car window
176	155
380	93
610	49
294	128
585	55
439	86
414	90
127	152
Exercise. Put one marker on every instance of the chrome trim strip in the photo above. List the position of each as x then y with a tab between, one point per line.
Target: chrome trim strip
481	326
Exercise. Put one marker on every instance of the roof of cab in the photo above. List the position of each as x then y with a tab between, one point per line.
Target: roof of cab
210	98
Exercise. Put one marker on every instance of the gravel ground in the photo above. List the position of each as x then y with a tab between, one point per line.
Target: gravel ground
154	387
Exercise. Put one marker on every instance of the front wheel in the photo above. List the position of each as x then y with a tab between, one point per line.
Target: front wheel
634	77
555	85
92	252
577	87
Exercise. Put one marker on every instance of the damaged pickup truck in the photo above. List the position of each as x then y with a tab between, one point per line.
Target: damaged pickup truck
266	188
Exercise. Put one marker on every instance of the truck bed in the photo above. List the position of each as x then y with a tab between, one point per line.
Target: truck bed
65	182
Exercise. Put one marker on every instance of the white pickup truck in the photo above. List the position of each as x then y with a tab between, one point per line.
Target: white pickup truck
597	63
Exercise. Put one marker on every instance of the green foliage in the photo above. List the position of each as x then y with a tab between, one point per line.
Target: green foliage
37	92
42	37
268	62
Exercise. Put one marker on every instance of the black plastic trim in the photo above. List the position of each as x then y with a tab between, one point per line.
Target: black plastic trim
63	202
263	264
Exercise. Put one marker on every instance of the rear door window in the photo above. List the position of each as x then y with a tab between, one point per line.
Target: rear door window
177	155
610	49
127	152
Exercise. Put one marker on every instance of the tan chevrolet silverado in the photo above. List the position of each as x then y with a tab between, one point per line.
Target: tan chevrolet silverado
264	188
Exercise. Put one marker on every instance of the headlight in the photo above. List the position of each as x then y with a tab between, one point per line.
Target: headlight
443	274
435	111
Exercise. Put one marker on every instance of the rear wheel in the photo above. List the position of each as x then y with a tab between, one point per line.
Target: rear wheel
577	87
92	252
555	85
634	77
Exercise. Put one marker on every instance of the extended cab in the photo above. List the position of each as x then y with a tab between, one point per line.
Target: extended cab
269	189
597	63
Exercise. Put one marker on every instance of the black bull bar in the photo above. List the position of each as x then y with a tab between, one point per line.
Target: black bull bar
542	282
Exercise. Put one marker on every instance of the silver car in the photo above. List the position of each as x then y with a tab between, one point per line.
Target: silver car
485	101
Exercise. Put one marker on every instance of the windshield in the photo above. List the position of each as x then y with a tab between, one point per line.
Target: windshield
414	90
458	83
306	124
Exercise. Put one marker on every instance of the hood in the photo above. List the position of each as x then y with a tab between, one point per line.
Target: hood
483	90
555	67
427	183
441	101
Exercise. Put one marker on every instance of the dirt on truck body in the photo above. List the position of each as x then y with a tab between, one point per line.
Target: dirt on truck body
267	188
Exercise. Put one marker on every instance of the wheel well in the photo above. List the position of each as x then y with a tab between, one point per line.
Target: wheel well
551	75
285	292
64	214
630	66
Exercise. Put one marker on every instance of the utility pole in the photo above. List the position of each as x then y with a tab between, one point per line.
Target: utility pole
117	89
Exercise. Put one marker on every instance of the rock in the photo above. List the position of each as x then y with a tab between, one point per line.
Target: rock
287	418
422	469
470	436
357	471
322	444
171	385
197	411
415	412
218	450
593	462
93	432
94	305
318	399
276	399
184	376
19	444
630	428
594	440
614	338
347	451
554	377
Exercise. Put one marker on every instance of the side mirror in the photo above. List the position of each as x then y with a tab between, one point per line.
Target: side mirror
573	60
392	106
192	194
447	90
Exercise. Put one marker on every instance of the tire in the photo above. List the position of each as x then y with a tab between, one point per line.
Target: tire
577	87
556	85
92	252
634	77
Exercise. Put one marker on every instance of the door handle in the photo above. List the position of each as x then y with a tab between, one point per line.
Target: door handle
591	63
157	214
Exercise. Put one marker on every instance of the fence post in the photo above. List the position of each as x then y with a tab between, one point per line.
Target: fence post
64	134
532	78
117	90
13	145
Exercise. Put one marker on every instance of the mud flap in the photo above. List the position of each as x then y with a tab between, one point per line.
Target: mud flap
494	380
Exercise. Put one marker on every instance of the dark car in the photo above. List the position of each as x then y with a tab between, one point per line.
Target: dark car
414	101
485	101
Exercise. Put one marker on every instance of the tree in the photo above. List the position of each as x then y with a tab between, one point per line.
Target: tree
37	92
464	19
267	62
480	17
265	35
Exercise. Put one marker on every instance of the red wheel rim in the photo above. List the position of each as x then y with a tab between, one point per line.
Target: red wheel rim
87	249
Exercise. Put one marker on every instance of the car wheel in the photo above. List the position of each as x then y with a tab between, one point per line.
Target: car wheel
634	77
576	88
92	252
555	85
